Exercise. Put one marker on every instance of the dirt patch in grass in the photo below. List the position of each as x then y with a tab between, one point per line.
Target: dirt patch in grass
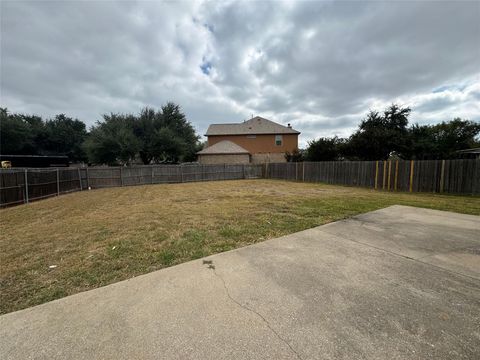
94	238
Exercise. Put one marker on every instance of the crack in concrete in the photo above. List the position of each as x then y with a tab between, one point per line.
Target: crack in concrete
212	267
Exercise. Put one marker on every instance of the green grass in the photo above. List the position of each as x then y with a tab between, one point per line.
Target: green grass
99	237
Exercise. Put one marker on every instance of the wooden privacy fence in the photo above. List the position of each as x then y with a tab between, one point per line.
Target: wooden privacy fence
18	186
449	176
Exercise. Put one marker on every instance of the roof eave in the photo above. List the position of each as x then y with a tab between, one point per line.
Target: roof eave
223	153
255	133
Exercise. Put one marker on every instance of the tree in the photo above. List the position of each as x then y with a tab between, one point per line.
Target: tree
379	135
294	156
144	128
174	119
14	132
152	136
167	147
441	141
65	135
324	149
112	141
423	142
165	135
30	135
20	134
455	135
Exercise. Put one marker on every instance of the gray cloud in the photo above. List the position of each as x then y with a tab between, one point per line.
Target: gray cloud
317	65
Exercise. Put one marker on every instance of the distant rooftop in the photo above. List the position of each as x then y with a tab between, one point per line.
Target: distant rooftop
470	151
256	125
223	147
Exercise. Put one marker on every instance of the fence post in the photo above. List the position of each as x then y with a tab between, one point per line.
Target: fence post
384	174
476	173
296	171
152	174
58	183
181	173
376	175
121	175
442	176
88	181
244	175
224	171
412	166
26	186
303	171
389	174
79	179
396	176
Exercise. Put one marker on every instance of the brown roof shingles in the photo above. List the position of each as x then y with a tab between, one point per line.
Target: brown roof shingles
223	147
254	126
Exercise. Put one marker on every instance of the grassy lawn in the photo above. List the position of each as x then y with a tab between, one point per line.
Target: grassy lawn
99	237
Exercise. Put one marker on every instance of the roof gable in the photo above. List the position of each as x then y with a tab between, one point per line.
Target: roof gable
223	147
256	125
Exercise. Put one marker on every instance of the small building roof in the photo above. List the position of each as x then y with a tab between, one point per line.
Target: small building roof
223	147
254	126
470	151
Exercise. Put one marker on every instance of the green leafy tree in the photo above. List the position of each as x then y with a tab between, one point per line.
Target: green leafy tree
65	135
20	134
167	146
325	149
152	136
441	141
165	135
113	141
174	119
144	128
295	156
455	135
379	135
424	144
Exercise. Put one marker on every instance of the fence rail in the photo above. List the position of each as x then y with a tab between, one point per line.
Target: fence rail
442	176
19	186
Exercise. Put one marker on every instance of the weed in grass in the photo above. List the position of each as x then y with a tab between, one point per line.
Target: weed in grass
229	232
194	236
198	253
49	294
167	257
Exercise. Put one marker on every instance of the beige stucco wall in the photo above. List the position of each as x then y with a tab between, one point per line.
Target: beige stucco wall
268	158
224	159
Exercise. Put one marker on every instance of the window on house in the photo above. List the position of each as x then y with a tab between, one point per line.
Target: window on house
278	140
251	136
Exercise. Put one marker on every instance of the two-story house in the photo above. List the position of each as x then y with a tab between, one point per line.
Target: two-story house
257	140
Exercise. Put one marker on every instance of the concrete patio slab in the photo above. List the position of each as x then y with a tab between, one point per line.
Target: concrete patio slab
446	239
386	284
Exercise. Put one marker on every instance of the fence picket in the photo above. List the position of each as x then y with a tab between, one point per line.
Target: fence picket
448	176
459	176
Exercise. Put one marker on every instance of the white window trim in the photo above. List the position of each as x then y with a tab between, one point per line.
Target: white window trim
279	138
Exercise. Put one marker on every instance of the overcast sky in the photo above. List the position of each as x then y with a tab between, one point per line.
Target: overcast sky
317	65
